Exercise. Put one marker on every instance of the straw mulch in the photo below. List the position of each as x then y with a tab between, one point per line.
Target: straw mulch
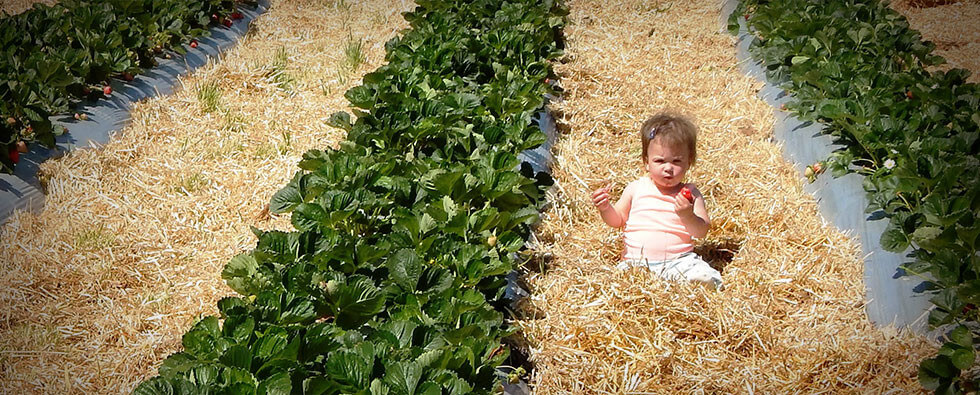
952	25
99	287
13	7
792	316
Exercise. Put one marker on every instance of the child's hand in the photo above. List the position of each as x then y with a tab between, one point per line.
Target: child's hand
683	205
600	198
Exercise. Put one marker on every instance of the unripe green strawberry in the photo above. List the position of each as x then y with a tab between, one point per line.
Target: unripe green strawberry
332	287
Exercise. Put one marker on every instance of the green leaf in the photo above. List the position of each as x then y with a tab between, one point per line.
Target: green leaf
155	386
177	364
963	358
402	377
925	234
237	376
357	301
961	336
340	120
405	268
799	59
350	367
379	388
237	356
277	384
242	275
308	216
893	239
361	96
286	199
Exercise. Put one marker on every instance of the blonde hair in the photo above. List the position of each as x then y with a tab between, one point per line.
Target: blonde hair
673	130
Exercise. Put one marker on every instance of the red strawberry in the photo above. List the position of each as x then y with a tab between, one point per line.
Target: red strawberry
107	90
686	193
237	15
909	94
817	168
21	146
193	43
226	22
127	76
782	106
13	155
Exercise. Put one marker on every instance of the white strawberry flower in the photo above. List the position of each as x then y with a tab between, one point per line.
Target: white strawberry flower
889	164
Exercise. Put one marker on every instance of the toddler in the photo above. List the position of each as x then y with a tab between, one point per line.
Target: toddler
661	213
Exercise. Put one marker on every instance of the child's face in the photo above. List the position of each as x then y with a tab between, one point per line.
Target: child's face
667	164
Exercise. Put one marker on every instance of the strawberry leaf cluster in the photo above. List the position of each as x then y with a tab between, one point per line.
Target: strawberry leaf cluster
54	56
859	69
393	280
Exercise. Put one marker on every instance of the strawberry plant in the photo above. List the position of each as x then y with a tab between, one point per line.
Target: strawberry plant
53	56
859	69
393	279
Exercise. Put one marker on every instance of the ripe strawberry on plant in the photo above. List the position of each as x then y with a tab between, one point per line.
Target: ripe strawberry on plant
686	193
237	15
909	94
193	43
14	155
127	76
21	146
226	22
107	90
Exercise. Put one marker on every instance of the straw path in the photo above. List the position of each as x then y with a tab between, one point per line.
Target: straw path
792	316
952	27
99	287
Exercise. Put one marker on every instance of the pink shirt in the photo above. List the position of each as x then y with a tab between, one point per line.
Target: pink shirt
653	229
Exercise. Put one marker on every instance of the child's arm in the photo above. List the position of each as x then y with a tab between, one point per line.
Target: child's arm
613	214
693	215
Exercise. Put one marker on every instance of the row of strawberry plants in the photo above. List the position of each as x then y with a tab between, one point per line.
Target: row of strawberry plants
858	68
393	280
55	56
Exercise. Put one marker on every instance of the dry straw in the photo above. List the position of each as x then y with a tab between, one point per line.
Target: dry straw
952	26
13	7
99	287
792	316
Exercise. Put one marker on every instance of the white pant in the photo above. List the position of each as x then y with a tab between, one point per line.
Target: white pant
688	266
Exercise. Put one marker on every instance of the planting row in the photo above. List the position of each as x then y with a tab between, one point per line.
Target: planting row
859	69
55	56
393	280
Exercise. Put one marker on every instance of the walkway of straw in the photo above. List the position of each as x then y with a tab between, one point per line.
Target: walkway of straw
99	287
792	316
952	27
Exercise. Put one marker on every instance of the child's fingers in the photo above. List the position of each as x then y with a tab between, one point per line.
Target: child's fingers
600	201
